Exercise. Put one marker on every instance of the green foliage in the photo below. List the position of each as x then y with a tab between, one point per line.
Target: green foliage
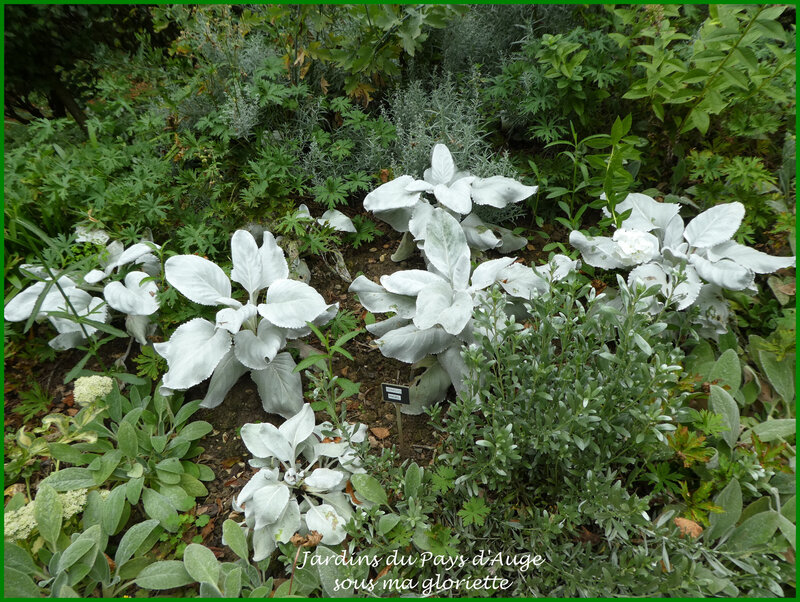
366	231
33	402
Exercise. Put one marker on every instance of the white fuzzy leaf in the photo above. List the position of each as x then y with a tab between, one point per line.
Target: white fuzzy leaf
500	191
264	440
420	216
133	297
273	261
410	344
381	328
398	219
409	282
452	362
94	276
648	274
324	520
137	327
133	253
262	478
597	251
337	220
428	388
446	248
442	167
268	503
256	351
298	428
725	273
198	279
67	340
646	213
288	523
509	242
280	388
192	353
673	232
479	235
324	479
290	304
686	293
714	226
521	281
455	196
375	298
225	375
247	269
232	319
488	272
392	195
758	262
441	305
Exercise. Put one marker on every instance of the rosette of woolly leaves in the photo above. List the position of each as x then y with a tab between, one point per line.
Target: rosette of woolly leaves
433	309
400	202
300	484
691	263
135	297
245	336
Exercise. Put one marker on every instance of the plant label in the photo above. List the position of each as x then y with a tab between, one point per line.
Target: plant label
396	393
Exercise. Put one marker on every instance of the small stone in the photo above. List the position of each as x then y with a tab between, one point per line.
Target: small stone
72	411
530	247
386	246
373	250
380	432
382	257
373	442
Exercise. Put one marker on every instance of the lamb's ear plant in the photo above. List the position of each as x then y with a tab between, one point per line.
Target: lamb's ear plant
433	309
400	203
692	264
246	337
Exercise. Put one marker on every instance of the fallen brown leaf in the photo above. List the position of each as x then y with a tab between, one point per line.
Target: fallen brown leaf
380	432
688	527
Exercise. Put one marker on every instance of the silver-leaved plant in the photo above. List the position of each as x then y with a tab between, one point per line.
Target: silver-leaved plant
401	204
433	309
300	486
245	336
691	263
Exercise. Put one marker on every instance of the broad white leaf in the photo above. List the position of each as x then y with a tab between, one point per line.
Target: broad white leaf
455	196
428	388
714	226
687	291
290	304
246	257
262	478
500	191
597	251
442	167
198	279
509	242
561	266
479	234
398	219
21	306
132	253
302	211
340	501
256	351
646	213
298	428
264	440
375	298
488	272
725	273
758	262
225	375
232	319
392	195
446	248
337	220
288	523
94	276
324	520
521	281
325	479
83	303
263	544
410	282
452	362
648	274
268	503
137	327
381	328
280	388
273	261
420	216
441	305
192	353
635	247
150	264
134	297
67	340
410	344
673	232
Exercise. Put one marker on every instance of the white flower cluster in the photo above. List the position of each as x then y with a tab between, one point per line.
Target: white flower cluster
90	388
18	524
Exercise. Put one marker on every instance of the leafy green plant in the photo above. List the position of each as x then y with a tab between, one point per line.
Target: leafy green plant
33	402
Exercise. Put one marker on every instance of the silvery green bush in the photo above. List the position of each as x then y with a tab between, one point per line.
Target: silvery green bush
245	336
400	203
691	263
433	309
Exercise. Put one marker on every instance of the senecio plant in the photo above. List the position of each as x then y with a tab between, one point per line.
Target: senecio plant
400	204
433	309
692	264
244	337
77	314
301	481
